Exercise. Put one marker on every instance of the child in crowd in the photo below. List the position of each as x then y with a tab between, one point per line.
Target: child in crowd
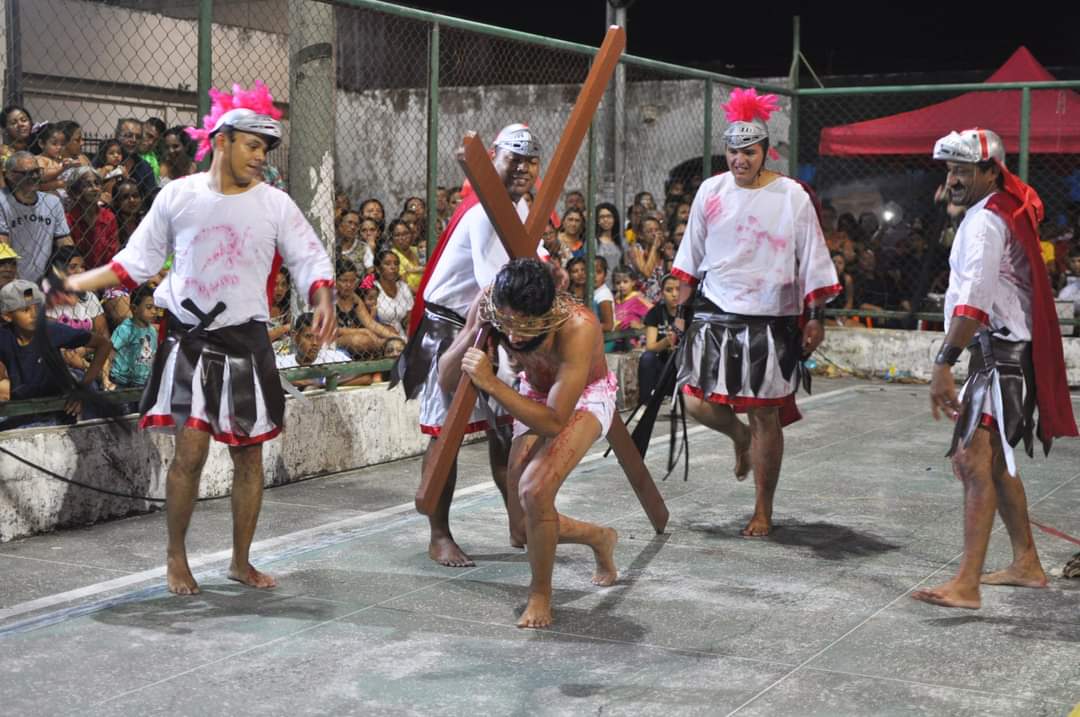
32	368
631	306
660	338
135	342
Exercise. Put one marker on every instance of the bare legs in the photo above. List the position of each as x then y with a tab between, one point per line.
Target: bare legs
988	487
538	467
442	548
759	446
181	489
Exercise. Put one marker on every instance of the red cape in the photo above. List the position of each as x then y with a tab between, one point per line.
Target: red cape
1022	210
468	201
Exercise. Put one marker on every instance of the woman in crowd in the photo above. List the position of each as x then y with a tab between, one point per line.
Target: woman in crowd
645	199
417	206
370	234
609	240
358	331
645	258
410	266
17	126
395	298
93	227
349	244
846	298
373	209
635	215
127	205
572	232
280	323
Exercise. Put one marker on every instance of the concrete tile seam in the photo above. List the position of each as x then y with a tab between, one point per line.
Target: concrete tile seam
64	562
935	685
219	556
875	614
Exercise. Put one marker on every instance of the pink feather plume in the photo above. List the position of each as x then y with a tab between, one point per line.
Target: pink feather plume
257	99
747	105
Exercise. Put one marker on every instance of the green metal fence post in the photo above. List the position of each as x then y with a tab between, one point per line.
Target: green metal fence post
206	67
1025	131
706	150
432	136
590	211
793	130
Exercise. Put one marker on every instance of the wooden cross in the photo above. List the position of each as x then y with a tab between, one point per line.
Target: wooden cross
521	240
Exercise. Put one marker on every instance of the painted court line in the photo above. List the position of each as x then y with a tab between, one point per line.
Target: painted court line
338	531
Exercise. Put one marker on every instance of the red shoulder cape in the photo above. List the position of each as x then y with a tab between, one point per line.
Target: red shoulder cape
1022	210
468	201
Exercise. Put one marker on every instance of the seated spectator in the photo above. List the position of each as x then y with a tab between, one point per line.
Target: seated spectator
846	298
135	342
574	200
149	148
550	241
418	207
442	209
93	227
127	207
176	142
341	204
395	298
1069	292
572	232
609	240
630	304
369	295
667	255
83	312
370	234
411	268
874	290
645	258
9	269
358	331
109	163
349	243
129	132
47	144
17	126
454	198
73	143
307	352
677	234
175	167
280	325
30	221
645	199
660	340
373	209
26	369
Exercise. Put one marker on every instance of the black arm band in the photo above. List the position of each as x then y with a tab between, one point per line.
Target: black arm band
815	313
948	355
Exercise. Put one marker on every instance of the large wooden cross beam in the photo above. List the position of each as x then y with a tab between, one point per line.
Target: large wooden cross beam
521	240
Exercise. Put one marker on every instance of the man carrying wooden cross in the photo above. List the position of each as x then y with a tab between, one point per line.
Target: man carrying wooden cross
467	258
565	402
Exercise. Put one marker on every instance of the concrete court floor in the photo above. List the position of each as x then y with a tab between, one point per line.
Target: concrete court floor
813	621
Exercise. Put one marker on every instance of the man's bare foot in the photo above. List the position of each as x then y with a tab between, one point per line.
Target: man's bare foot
445	551
950	595
758	527
179	578
606	573
537	612
1021	576
742	454
251	577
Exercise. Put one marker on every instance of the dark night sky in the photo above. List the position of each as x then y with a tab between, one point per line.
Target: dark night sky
837	38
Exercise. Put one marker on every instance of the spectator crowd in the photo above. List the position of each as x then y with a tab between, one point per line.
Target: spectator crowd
63	211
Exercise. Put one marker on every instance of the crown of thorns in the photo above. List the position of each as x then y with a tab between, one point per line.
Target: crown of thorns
506	322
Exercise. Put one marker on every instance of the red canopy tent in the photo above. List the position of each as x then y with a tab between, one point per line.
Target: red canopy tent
1055	119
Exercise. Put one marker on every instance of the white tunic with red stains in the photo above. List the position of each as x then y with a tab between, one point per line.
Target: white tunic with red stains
761	251
222	246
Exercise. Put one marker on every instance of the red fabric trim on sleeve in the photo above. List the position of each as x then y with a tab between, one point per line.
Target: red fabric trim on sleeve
823	293
972	313
683	276
329	283
125	278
